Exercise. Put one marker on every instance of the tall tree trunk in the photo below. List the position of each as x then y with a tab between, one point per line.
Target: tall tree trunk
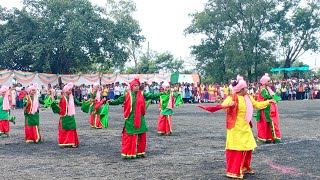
255	71
287	64
249	75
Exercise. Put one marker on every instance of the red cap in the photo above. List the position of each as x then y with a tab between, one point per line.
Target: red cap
134	82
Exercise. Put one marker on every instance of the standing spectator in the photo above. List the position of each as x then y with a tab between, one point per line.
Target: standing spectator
300	93
104	92
84	91
111	92
43	92
211	91
117	91
121	89
307	90
58	92
21	95
77	92
51	91
156	91
283	92
13	97
290	93
147	88
187	93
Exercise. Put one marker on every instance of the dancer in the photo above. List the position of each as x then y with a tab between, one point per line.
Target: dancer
134	136
94	106
167	102
240	141
31	114
268	118
5	112
67	131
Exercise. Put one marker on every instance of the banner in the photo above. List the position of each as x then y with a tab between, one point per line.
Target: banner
149	78
87	79
27	78
127	78
48	78
24	78
92	77
6	78
66	78
108	78
165	77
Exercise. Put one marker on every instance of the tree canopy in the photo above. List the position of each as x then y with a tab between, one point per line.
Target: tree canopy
63	36
155	62
245	36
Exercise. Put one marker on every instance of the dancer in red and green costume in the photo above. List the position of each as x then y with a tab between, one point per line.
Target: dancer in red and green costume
134	136
268	118
5	111
65	107
31	114
167	102
240	141
94	106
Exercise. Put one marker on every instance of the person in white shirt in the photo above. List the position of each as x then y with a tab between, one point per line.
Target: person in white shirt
146	88
43	92
58	92
13	97
117	91
84	92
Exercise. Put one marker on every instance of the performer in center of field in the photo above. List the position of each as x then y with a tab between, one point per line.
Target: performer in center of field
65	107
4	111
134	136
240	141
268	119
31	114
167	102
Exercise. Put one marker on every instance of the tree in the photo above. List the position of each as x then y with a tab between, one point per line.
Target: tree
295	30
154	62
234	37
62	36
167	63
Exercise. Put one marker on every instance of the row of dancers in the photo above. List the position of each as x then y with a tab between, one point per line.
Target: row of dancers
239	109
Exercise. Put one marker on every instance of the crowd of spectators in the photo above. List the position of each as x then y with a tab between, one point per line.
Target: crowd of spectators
288	89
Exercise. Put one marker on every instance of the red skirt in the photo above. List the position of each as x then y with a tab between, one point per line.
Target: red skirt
67	137
4	126
32	133
269	131
95	121
133	145
237	163
165	124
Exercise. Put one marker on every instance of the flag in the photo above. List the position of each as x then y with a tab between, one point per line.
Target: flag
174	78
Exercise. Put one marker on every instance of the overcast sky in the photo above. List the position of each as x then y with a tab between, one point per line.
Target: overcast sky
163	22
